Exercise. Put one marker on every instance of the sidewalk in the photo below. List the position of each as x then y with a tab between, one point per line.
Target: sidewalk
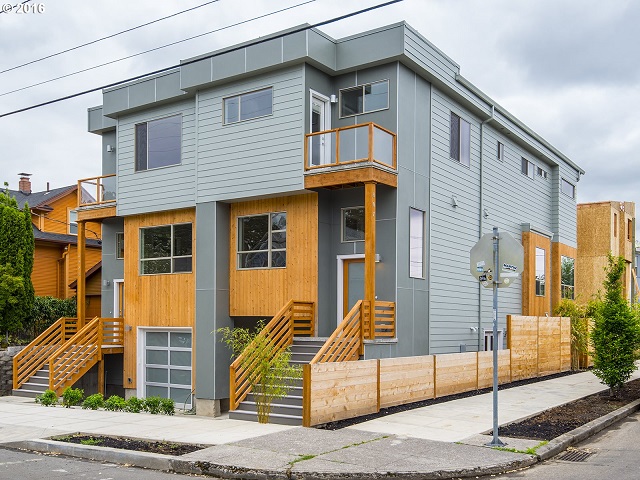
412	444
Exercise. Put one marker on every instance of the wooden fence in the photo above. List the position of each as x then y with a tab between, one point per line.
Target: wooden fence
537	346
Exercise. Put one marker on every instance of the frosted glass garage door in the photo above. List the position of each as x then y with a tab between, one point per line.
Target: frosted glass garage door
167	366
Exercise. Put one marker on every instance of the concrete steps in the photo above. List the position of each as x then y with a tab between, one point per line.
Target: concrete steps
36	385
286	410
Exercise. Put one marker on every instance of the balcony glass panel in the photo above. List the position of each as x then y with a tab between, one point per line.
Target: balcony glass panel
108	189
382	146
322	150
354	144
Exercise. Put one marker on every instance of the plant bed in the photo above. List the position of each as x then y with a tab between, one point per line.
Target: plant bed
337	425
136	444
559	420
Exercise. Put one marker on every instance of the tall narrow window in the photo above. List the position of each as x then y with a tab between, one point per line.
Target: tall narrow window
567	285
568	188
540	271
527	168
262	241
158	143
629	228
501	151
119	245
460	140
416	243
73	222
615	225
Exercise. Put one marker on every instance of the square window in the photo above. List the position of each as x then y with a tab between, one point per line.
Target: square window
353	224
365	98
460	140
158	143
262	241
166	249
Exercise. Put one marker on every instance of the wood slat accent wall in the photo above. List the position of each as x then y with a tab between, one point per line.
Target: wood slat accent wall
166	300
558	250
262	292
531	303
45	269
92	256
338	390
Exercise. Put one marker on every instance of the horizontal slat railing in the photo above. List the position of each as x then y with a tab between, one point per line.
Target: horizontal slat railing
35	355
346	341
112	332
384	320
76	356
295	317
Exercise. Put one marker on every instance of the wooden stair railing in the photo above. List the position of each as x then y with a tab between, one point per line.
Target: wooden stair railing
35	355
384	321
346	342
82	351
295	317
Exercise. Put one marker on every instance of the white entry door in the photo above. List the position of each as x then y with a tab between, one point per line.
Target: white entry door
320	145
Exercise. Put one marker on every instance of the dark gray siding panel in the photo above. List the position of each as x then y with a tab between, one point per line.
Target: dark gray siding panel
255	157
111	268
158	189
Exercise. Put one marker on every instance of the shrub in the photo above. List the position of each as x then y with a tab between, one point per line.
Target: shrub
72	396
47	399
115	403
616	333
47	310
152	405
93	402
134	405
167	406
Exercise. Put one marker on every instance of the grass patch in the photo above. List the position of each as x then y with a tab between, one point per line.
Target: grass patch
302	458
91	441
528	451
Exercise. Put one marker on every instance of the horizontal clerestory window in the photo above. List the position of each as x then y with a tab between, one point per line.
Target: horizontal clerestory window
365	98
248	105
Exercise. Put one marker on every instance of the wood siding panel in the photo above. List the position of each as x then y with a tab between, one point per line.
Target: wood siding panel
92	256
558	250
166	300
343	390
533	304
45	274
262	292
406	379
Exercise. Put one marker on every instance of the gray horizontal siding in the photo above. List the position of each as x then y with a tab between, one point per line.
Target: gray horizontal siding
159	189
256	157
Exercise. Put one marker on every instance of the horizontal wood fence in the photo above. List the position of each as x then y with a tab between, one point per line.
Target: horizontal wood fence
334	391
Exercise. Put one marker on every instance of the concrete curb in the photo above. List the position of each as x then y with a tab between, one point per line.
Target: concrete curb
587	430
176	464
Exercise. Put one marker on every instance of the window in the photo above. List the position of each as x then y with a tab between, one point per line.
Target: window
541	173
527	167
540	271
615	225
501	152
119	245
248	105
72	220
567	268
416	243
568	188
262	241
166	249
629	228
488	340
460	140
353	224
158	143
364	98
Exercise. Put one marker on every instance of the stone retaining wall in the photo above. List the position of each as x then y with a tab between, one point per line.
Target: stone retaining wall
6	369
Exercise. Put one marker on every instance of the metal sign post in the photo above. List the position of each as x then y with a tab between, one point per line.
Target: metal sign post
486	267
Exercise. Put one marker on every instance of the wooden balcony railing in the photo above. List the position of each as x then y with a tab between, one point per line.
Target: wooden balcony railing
35	355
367	142
295	316
97	191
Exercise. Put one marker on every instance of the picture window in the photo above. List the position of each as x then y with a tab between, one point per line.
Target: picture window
262	241
353	224
158	143
166	249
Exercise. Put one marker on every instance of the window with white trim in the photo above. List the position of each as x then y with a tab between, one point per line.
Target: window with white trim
158	143
353	224
246	106
567	284
527	168
542	173
460	140
416	243
541	265
488	340
369	97
72	221
166	249
262	241
568	188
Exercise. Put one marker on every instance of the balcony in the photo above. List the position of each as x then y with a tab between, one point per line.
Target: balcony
97	197
350	156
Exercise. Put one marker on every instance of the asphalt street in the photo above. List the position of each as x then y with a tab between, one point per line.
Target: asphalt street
615	453
17	465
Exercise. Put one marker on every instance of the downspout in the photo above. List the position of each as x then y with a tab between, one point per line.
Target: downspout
480	223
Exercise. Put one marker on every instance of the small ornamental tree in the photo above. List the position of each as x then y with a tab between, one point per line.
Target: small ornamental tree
616	332
16	263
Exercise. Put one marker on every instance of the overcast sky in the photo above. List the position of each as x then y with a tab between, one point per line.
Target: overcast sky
569	69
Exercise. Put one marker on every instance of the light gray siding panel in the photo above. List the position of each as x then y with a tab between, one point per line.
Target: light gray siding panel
255	157
566	221
159	189
361	50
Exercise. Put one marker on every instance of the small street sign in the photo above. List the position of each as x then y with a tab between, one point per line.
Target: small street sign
511	260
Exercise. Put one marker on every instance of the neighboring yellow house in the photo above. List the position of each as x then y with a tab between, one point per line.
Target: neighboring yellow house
53	213
603	227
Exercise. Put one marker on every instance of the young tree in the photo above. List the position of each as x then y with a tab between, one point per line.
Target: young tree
616	333
16	263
